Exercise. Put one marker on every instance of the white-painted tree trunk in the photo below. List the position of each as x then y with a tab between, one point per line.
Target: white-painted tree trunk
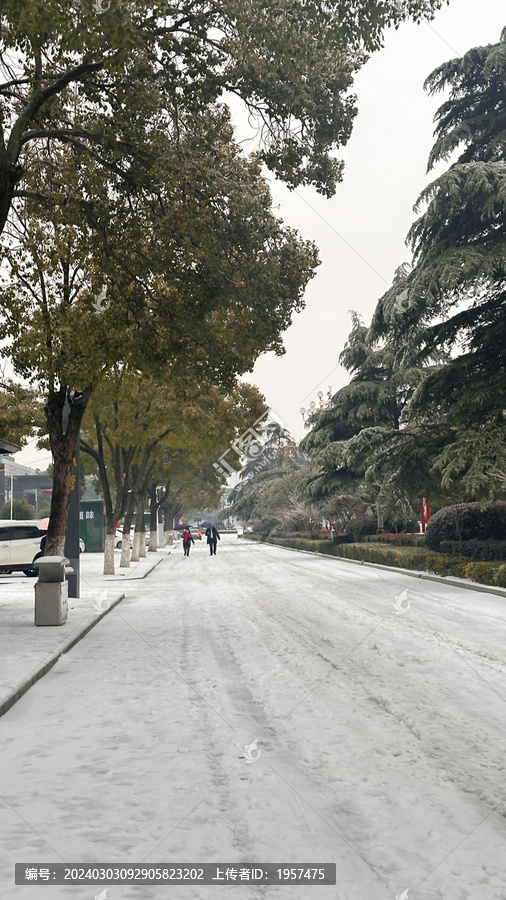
153	541
142	545
125	552
169	537
109	554
136	546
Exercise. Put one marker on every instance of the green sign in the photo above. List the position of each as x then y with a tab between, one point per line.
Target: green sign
92	525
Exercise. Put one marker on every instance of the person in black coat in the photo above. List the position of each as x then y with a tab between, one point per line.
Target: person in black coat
212	538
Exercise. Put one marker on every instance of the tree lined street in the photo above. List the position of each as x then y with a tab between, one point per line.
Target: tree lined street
376	700
262	704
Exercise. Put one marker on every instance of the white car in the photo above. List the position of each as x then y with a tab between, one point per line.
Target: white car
19	545
118	539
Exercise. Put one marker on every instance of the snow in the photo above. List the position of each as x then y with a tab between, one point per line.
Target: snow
379	724
23	648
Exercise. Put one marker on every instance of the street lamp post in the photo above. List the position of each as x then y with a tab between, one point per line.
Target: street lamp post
72	548
312	406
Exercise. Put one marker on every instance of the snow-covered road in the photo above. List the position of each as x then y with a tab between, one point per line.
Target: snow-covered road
377	702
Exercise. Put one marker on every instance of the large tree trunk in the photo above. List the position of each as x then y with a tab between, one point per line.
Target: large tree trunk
135	546
141	525
9	176
114	509
379	515
63	444
125	541
110	534
168	532
173	511
136	538
58	516
153	519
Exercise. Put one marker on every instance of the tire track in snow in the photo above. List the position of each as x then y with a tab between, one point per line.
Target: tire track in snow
474	741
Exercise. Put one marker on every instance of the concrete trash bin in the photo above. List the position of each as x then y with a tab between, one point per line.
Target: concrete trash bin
51	591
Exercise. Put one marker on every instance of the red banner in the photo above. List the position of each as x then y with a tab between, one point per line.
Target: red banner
425	511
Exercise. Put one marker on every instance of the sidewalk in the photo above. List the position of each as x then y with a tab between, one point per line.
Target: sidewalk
27	652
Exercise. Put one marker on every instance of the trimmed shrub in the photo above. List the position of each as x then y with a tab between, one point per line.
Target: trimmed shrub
383	556
480	551
500	577
342	538
444	565
419	559
398	540
466	522
481	571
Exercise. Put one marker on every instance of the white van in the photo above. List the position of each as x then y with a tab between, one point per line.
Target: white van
19	545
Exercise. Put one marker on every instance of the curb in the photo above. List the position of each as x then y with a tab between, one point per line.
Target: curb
130	576
39	673
413	573
148	572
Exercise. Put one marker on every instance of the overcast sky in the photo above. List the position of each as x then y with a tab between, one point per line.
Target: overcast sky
361	231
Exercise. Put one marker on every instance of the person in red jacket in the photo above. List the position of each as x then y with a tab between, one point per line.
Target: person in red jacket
187	541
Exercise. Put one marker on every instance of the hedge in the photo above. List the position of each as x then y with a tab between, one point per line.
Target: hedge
480	551
472	520
500	576
397	540
414	558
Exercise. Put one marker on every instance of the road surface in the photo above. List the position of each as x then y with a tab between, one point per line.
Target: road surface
269	706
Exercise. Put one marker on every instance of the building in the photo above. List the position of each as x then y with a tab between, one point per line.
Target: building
7	447
22	483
